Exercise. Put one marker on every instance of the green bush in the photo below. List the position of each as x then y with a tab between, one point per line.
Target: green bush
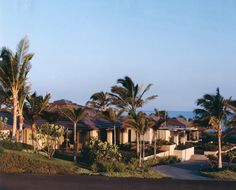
97	150
15	146
168	160
114	166
183	146
127	156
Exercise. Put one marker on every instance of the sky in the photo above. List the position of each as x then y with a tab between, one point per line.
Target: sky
185	48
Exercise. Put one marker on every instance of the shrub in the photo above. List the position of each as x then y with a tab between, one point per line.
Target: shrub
168	160
97	150
127	156
183	146
15	146
114	166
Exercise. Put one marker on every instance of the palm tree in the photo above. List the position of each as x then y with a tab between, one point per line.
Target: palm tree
99	101
33	109
74	115
141	122
130	96
156	124
212	112
23	93
113	116
14	69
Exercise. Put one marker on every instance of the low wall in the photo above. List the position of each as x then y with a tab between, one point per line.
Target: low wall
161	154
169	148
184	155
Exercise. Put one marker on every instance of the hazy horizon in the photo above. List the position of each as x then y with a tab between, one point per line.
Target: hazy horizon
185	48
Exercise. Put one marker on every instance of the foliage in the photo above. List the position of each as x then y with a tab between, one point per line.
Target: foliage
50	135
130	96
99	101
96	150
183	146
161	161
35	106
7	144
222	174
105	166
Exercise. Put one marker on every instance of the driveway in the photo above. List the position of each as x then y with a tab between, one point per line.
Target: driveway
37	182
188	170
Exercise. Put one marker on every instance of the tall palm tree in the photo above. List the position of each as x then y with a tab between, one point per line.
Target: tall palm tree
99	101
213	111
130	96
14	69
74	115
33	109
156	124
113	116
23	93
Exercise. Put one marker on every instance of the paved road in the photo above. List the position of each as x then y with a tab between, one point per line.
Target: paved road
188	170
35	182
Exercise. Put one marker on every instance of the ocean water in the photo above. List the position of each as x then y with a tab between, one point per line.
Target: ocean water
186	114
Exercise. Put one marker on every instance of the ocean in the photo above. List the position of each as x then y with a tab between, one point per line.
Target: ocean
186	114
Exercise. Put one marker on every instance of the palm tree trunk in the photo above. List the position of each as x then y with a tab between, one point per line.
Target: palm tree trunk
140	152
75	143
14	128
114	134
219	132
21	122
155	144
143	148
137	143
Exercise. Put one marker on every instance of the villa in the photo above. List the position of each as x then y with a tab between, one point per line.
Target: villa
174	130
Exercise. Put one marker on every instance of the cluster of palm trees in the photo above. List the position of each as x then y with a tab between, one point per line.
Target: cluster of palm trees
214	111
15	88
128	97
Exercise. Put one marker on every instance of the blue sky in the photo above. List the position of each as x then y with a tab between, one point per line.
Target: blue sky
184	47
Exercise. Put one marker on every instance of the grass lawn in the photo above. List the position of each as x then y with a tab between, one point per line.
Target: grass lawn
225	174
137	174
23	162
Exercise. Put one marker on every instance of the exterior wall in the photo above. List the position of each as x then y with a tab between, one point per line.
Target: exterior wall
176	139
183	139
109	137
184	155
93	133
133	135
124	137
148	136
163	134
